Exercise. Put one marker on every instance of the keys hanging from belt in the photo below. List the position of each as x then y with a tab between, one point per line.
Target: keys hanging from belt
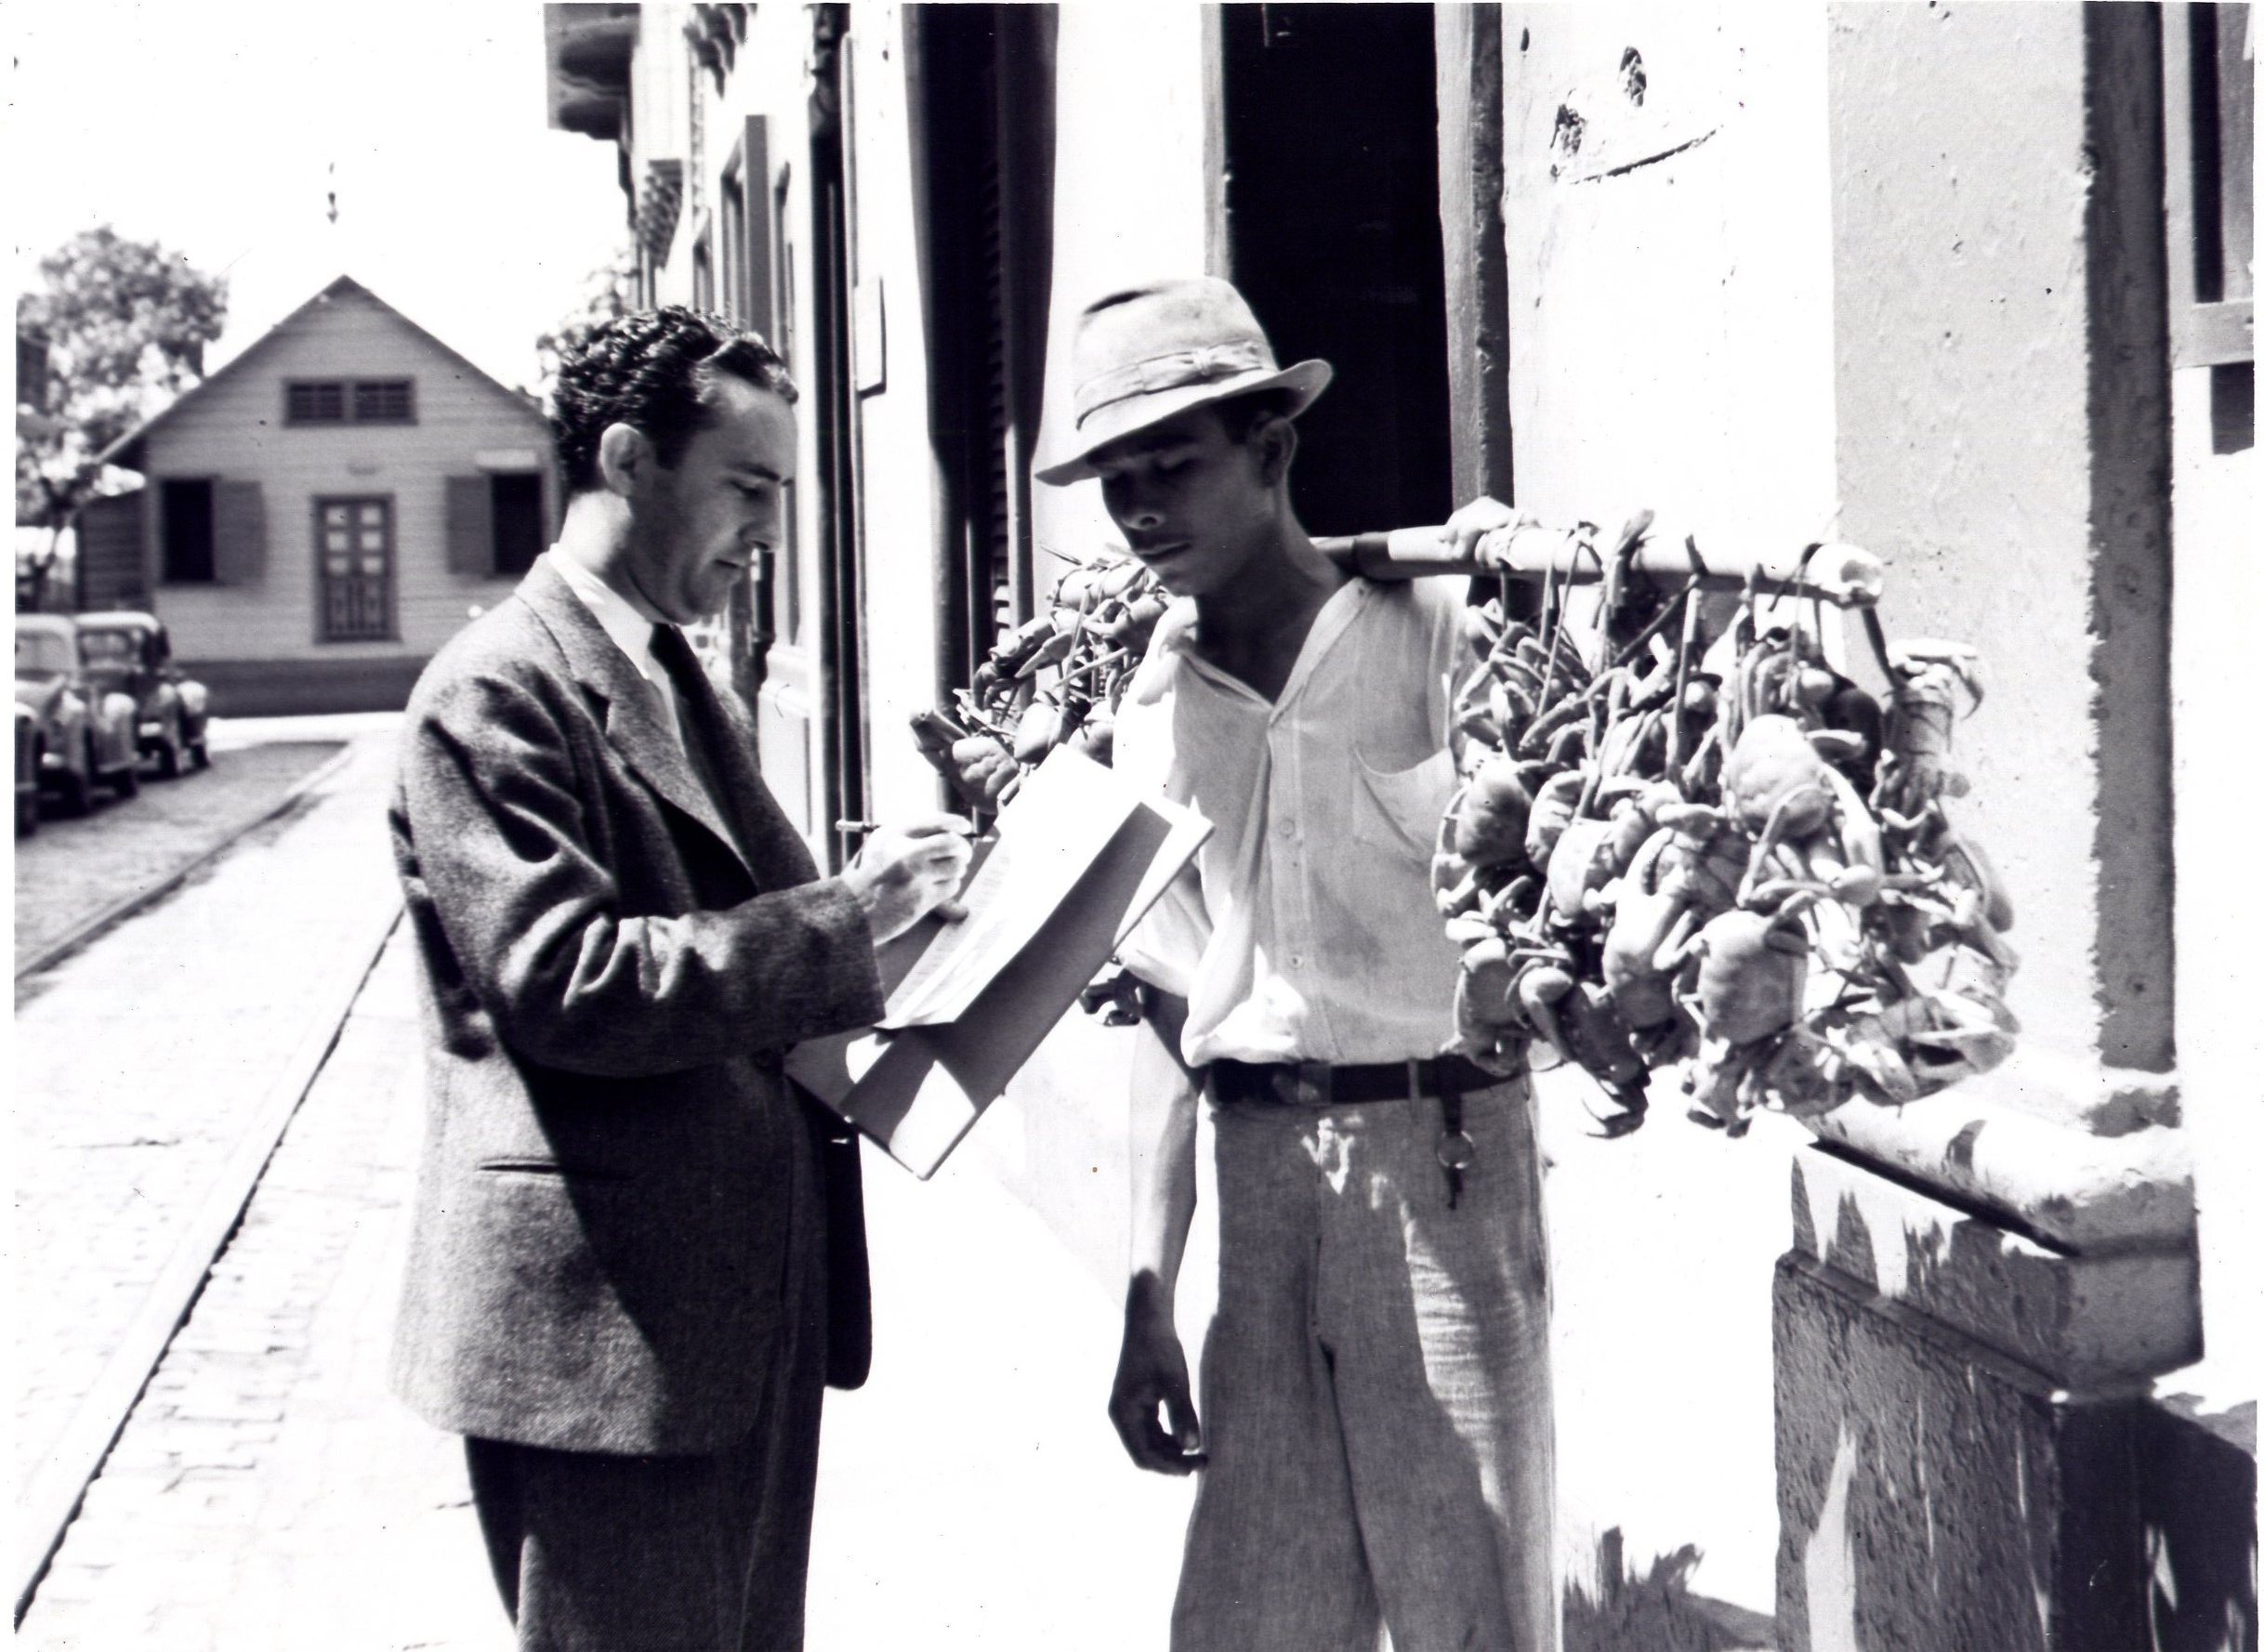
1458	1152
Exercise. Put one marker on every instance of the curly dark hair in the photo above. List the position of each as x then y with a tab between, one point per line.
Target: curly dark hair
656	369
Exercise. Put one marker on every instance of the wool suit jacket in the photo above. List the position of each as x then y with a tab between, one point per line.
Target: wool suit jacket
615	1177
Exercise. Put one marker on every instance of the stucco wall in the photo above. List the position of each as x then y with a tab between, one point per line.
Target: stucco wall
2220	909
899	502
1129	204
1670	348
1670	322
1966	451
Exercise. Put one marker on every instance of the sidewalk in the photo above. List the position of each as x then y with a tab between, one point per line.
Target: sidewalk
268	1493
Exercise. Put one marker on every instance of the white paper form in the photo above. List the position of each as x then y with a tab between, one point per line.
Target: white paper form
1059	824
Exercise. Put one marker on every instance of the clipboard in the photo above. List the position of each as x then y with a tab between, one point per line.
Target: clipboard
1081	857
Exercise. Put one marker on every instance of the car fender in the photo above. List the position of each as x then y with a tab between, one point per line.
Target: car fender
68	723
120	729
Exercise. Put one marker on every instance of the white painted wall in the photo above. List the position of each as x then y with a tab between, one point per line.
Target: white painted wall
1670	348
1128	207
2221	910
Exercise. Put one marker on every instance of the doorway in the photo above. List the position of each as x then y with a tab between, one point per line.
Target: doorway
1329	127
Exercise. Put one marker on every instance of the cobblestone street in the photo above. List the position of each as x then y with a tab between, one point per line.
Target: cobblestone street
142	1063
267	1493
75	869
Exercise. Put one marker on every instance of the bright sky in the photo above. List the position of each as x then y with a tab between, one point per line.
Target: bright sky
214	128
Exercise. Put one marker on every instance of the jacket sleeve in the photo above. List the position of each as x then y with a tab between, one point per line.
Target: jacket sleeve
532	912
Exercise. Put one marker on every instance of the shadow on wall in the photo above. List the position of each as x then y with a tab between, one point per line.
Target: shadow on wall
2198	1499
1655	1611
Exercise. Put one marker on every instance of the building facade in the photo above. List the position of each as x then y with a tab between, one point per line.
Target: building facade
320	515
1968	286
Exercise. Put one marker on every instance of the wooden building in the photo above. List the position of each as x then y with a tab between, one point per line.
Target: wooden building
323	512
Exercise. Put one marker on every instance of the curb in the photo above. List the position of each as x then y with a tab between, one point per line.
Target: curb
86	929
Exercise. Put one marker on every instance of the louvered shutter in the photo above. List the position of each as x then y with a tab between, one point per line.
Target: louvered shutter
239	534
113	560
471	527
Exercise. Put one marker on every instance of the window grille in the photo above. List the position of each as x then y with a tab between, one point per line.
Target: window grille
314	402
385	401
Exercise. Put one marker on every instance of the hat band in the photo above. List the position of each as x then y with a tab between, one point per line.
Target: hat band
1198	366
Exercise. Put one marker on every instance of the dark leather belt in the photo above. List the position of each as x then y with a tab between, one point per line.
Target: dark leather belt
1316	1083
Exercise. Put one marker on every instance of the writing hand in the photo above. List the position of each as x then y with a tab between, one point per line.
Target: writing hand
904	873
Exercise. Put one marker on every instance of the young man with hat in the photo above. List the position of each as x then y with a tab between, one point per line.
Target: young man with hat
1376	1435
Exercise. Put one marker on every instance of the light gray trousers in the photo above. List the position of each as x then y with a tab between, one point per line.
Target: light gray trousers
1376	1393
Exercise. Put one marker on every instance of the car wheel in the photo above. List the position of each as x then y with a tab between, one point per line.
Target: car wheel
78	783
170	752
127	781
27	813
198	755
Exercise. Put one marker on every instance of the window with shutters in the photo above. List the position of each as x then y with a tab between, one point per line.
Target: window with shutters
185	536
354	568
359	401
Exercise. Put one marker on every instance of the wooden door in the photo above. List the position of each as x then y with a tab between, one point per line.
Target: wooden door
353	562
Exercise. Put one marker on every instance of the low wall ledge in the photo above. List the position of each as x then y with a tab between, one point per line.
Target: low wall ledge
2088	1193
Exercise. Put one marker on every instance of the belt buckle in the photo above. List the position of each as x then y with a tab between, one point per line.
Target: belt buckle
1313	1084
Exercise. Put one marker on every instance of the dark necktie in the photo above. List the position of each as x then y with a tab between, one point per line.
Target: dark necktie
695	716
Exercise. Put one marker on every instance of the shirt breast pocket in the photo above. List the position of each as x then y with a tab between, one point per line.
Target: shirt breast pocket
1400	808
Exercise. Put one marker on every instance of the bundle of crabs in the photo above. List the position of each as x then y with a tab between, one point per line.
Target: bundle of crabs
1057	679
1681	841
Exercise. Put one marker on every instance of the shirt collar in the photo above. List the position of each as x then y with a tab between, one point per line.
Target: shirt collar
631	631
1336	614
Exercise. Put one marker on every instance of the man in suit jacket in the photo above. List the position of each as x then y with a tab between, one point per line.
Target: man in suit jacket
617	1277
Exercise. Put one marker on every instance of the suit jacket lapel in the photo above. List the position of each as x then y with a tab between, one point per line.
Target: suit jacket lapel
635	724
771	840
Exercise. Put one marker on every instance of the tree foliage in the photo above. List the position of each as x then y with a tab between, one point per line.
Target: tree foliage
124	323
606	292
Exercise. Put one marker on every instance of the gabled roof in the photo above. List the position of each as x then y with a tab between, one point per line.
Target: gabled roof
126	452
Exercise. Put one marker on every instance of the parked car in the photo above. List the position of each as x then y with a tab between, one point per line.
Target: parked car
84	733
27	771
131	654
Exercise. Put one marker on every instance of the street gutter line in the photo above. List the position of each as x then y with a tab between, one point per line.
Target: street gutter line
118	910
51	1500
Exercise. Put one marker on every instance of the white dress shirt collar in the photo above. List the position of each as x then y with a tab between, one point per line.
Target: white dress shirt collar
630	631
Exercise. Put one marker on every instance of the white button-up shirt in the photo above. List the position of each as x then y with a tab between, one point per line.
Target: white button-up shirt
631	631
1305	929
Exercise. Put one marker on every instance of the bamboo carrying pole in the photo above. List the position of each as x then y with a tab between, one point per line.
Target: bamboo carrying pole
1842	574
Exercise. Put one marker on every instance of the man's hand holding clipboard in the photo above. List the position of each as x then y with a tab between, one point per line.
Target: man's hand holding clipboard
1080	855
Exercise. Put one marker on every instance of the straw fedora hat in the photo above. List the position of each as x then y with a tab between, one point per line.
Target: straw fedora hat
1147	353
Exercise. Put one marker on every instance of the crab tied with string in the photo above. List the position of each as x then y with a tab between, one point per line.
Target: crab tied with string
1681	842
1056	679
